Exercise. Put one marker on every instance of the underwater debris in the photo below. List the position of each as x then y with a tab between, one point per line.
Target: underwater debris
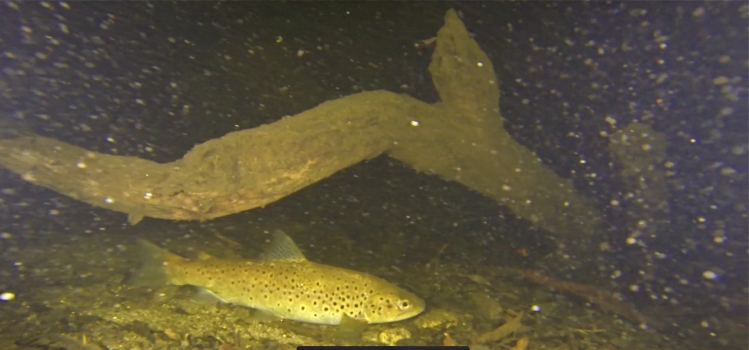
172	334
434	262
227	346
392	336
502	331
228	240
280	158
71	343
603	299
478	279
437	318
485	306
587	331
521	344
448	340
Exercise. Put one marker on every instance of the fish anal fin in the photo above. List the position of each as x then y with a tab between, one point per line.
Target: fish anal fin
265	316
206	297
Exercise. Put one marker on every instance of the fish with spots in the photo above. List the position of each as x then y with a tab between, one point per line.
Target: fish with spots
284	283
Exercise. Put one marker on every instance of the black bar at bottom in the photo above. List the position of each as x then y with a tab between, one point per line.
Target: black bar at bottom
381	347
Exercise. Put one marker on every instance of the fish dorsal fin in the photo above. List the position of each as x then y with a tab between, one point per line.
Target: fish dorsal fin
282	248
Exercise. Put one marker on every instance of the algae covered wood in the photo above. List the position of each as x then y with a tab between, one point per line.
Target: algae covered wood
459	139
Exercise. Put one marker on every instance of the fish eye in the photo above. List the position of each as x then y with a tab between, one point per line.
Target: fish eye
404	304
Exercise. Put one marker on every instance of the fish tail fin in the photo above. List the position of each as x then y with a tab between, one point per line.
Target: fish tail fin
154	260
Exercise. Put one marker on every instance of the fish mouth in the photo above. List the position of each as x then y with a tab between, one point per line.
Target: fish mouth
409	315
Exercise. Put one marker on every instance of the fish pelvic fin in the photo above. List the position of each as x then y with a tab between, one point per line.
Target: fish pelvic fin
154	260
351	329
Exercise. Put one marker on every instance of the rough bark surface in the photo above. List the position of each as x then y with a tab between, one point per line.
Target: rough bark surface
459	139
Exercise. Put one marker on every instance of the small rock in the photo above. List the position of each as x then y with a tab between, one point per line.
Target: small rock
437	318
393	335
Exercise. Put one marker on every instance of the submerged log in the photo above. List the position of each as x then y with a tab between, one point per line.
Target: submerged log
461	139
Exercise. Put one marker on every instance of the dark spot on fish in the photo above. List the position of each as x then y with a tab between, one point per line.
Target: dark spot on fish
325	308
302	308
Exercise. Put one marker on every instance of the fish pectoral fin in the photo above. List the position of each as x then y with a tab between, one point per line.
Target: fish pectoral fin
265	316
351	329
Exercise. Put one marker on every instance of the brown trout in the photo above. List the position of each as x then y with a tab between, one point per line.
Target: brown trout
283	283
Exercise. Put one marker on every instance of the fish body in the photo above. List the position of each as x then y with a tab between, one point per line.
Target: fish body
284	283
